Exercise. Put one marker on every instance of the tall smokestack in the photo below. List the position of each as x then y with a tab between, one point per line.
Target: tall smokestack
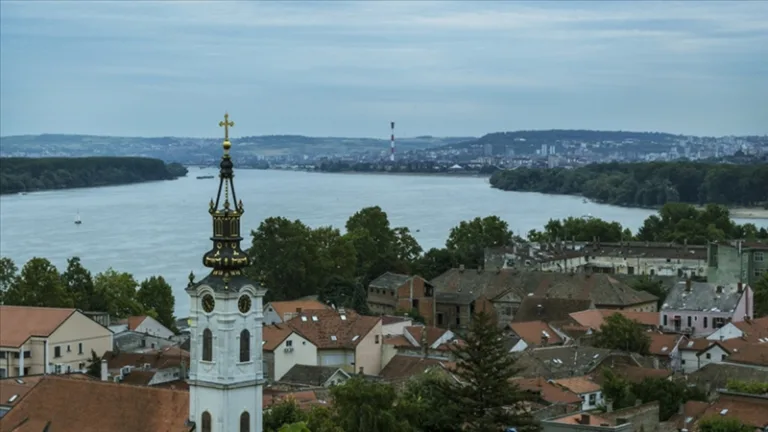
392	142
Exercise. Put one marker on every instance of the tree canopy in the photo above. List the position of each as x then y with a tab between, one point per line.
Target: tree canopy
621	333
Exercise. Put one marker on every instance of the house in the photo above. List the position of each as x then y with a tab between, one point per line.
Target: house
534	334
394	325
131	341
689	353
391	292
749	409
283	348
700	308
717	375
149	368
343	338
37	340
583	422
550	309
752	330
53	404
420	341
555	362
647	258
315	376
665	348
595	318
549	392
282	311
738	260
402	367
755	355
142	324
13	390
591	393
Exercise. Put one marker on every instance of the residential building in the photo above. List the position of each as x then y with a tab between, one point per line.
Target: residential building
699	308
391	292
343	338
150	368
751	410
583	422
737	261
131	341
535	334
647	258
595	318
315	376
394	325
284	348
591	393
717	375
38	340
549	392
420	341
52	404
753	330
555	362
551	310
665	348
142	324
401	368
278	312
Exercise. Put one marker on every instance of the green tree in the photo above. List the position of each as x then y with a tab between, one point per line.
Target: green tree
621	333
651	286
761	296
670	394
379	248
321	419
8	276
282	413
94	365
435	262
425	406
365	406
617	390
470	238
485	369
335	258
295	427
750	387
723	424
39	284
413	314
79	284
157	295
345	293
119	293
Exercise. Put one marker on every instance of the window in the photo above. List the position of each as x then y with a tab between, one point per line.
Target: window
207	353
682	362
718	322
689	321
377	338
57	352
80	348
206	420
723	357
759	257
3	373
592	399
245	422
705	322
289	343
143	343
69	349
415	304
709	356
245	346
439	319
665	320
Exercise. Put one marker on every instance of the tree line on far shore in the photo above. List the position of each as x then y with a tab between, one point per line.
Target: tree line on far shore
35	174
648	184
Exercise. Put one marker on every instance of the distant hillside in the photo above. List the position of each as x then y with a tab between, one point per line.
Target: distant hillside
528	141
195	150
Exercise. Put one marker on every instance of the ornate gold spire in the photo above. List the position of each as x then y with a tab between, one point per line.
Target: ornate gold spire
226	124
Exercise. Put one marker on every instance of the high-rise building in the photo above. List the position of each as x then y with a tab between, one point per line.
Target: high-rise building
226	373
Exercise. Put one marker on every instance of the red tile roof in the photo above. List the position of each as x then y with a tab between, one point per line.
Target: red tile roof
158	359
135	321
662	344
274	335
432	334
18	387
594	318
752	411
401	366
19	323
330	329
755	330
548	391
750	354
579	385
532	331
110	407
296	306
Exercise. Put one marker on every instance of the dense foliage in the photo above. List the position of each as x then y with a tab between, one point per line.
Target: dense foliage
39	283
724	424
621	333
669	394
33	174
646	184
750	387
675	222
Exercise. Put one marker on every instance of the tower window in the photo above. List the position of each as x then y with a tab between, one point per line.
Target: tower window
245	422
207	345
245	346
206	422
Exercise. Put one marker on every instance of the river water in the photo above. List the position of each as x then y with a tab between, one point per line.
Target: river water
162	228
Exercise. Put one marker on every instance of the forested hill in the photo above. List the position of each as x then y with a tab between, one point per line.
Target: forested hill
646	184
33	174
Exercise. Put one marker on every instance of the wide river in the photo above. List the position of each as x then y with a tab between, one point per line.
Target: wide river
162	228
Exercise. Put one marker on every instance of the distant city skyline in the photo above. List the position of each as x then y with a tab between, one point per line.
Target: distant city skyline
349	68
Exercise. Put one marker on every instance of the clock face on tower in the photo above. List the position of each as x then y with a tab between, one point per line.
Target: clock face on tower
208	303
244	304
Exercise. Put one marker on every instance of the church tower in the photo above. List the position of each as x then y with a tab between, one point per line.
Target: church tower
225	374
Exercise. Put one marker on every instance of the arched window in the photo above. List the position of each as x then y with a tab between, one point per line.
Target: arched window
206	422
207	345
245	422
245	346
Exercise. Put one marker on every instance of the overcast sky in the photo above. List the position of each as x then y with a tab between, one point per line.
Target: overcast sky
348	68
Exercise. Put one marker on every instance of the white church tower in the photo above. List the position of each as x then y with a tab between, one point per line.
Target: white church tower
225	374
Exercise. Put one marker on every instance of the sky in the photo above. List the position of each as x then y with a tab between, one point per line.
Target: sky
335	68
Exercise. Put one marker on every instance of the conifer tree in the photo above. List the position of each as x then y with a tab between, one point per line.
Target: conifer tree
485	396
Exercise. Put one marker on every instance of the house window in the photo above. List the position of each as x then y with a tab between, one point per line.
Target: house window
415	304
705	322
245	346
689	321
69	349
57	352
3	373
682	362
665	320
289	343
759	257
718	322
439	319
80	348
592	399
709	356
245	422
206	422
377	338
723	357
207	351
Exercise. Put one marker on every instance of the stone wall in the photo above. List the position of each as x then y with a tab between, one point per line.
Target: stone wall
644	418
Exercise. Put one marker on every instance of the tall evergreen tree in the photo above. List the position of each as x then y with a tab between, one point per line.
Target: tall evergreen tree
79	284
485	396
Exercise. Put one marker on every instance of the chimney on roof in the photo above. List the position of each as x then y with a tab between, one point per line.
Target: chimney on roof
539	309
688	285
544	339
584	419
104	370
461	268
741	286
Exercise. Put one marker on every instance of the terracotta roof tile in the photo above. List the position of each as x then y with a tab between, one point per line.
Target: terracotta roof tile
432	333
19	387
111	407
274	335
548	391
135	321
662	344
595	318
533	331
755	330
752	411
576	419
157	359
19	323
402	366
329	329
305	399
138	377
296	306
751	354
391	319
579	385
549	309
695	344
398	341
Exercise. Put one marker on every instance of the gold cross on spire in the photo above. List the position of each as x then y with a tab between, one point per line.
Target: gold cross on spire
226	124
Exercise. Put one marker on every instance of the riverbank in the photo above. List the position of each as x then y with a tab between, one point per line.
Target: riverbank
748	213
413	174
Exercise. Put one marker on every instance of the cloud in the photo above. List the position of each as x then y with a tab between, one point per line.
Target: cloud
495	58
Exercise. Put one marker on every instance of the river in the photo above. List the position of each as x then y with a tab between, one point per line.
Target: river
162	228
